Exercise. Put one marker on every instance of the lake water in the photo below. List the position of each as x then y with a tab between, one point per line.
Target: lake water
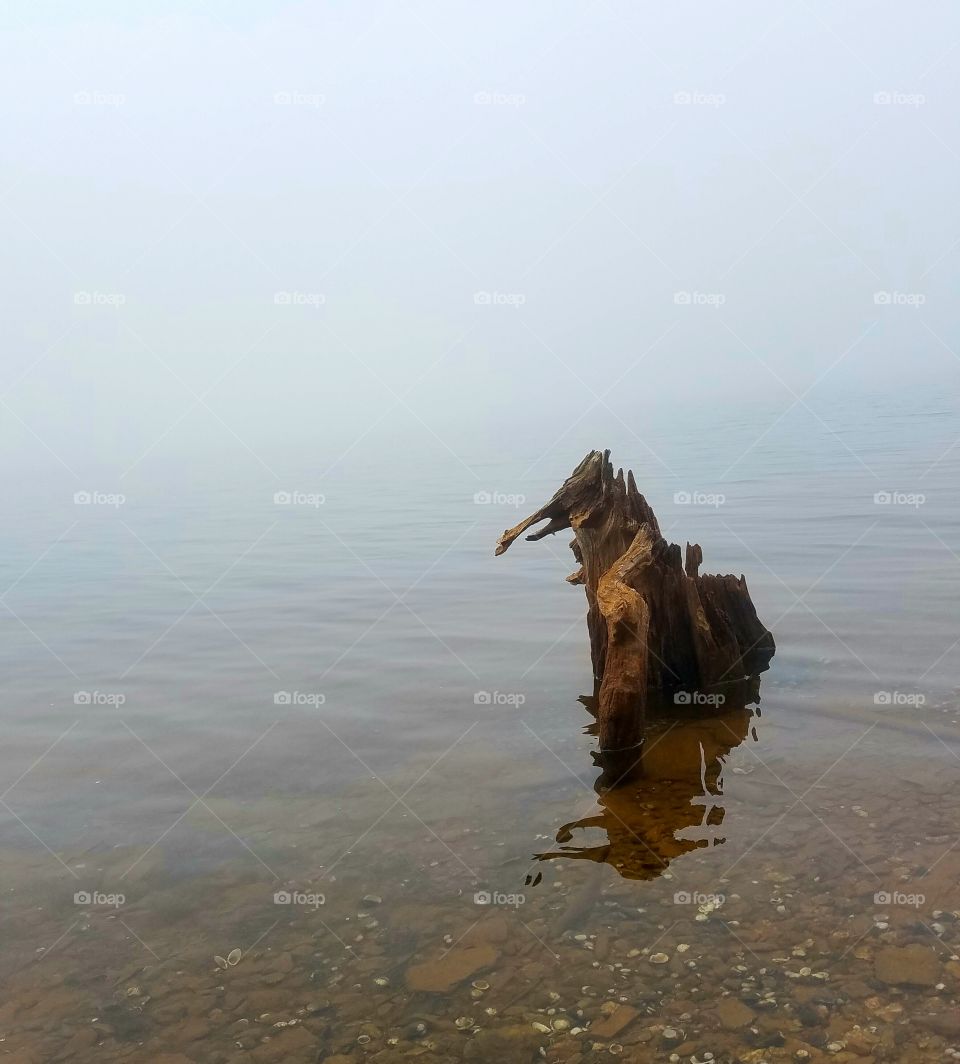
344	740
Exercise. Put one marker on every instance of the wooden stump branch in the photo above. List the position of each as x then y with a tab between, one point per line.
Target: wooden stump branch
654	622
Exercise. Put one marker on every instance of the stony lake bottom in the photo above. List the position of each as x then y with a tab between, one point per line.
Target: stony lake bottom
309	780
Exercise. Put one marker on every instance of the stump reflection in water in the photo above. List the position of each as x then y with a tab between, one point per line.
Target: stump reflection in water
666	800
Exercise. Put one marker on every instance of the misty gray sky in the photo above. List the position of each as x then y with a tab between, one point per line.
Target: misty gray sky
443	220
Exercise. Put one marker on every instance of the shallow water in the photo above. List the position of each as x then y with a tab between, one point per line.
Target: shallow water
413	837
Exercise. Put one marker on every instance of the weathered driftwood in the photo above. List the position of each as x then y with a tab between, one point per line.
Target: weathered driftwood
653	621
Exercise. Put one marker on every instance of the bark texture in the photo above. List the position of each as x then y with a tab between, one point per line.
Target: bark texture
653	621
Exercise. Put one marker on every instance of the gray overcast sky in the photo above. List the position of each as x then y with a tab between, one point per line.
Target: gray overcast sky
300	211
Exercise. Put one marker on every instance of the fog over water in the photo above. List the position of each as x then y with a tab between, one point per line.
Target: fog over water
383	164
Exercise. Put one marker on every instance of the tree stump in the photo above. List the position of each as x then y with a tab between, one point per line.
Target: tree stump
653	621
